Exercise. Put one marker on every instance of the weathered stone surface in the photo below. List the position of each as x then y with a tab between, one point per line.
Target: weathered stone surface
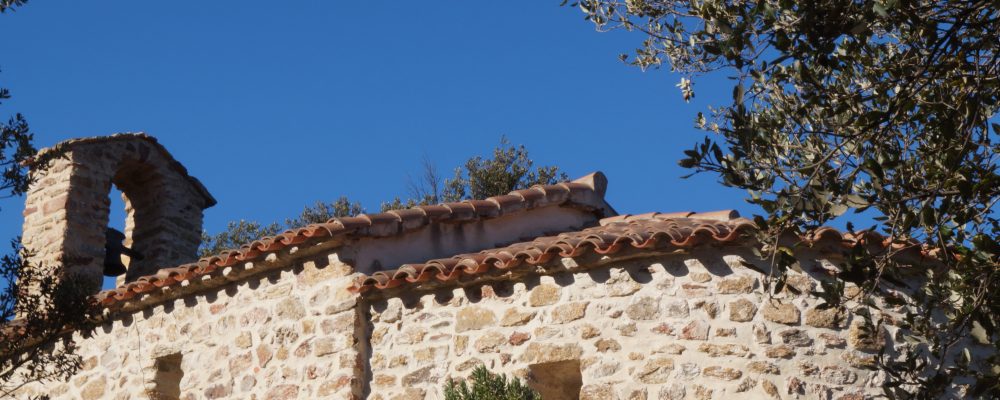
637	394
780	351
621	284
784	313
724	373
518	338
671	348
544	295
799	283
628	329
674	391
244	340
489	342
694	290
473	318
676	309
695	330
711	308
763	367
808	368
740	284
422	375
412	334
384	380
218	391
839	376
513	317
393	311
546	352
329	345
588	331
662	329
795	337
643	308
725	332
290	308
604	368
411	394
859	360
770	388
597	392
469	364
283	392
94	389
700	277
742	310
761	334
832	340
796	386
702	392
864	337
655	370
606	345
746	384
719	350
828	317
569	312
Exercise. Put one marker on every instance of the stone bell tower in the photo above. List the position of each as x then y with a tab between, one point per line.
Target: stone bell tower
67	207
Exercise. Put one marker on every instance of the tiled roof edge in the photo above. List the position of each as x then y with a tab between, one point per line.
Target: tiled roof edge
586	192
652	233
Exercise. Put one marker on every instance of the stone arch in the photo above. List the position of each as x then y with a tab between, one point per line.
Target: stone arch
67	210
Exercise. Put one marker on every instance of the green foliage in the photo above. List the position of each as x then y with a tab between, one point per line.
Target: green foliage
10	5
842	106
322	212
489	386
38	308
508	169
237	233
241	232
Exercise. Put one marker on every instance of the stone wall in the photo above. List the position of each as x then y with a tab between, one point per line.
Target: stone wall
285	335
694	326
672	327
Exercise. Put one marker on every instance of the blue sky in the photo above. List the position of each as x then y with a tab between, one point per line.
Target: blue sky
276	107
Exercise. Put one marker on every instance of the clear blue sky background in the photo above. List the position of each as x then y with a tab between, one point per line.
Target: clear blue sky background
275	105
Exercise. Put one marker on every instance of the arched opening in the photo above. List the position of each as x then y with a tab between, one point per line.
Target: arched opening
117	220
133	207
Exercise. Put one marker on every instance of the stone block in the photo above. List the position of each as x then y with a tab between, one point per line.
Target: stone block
474	318
780	312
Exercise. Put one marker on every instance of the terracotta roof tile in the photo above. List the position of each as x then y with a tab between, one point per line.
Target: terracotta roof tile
653	231
645	232
587	192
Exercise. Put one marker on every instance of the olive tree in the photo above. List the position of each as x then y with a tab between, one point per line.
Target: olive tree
884	107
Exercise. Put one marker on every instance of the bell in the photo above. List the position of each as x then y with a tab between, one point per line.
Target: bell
113	250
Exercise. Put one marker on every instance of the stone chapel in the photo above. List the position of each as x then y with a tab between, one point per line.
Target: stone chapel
549	284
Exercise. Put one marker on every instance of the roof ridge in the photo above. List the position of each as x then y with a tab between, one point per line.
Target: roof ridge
586	192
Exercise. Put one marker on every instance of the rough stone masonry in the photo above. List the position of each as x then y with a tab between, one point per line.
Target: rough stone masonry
675	315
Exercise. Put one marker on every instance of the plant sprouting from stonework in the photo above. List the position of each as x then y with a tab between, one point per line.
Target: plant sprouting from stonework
847	106
488	386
